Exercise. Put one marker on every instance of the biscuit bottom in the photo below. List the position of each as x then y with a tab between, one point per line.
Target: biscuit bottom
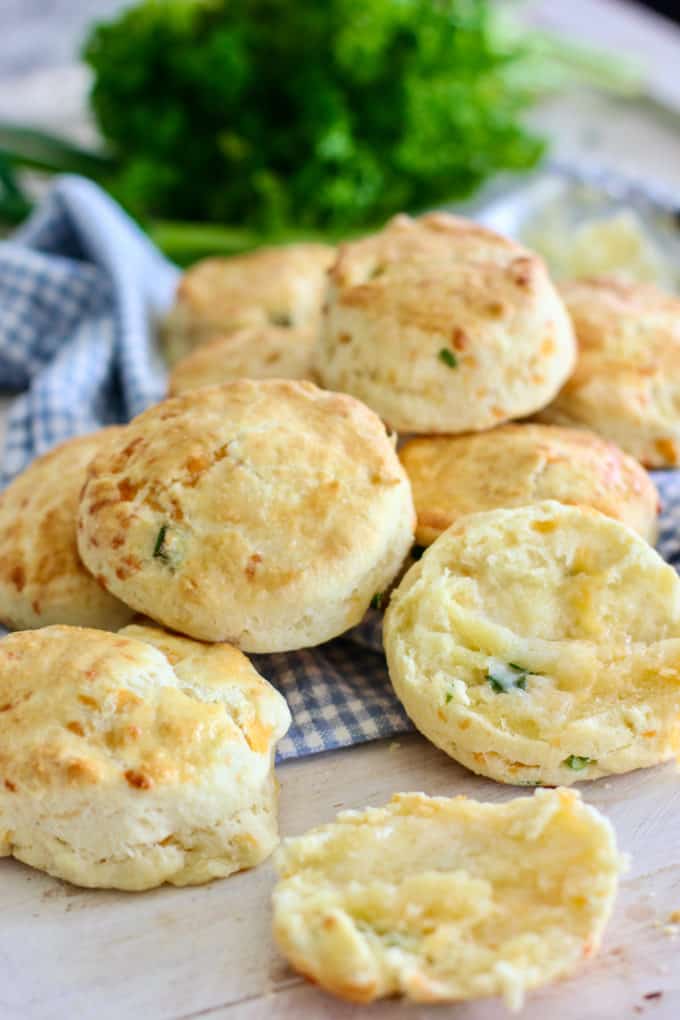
189	856
441	899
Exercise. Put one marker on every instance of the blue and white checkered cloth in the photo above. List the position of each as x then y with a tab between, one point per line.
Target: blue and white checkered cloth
80	289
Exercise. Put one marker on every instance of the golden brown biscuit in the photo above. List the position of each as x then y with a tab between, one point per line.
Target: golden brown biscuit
441	900
271	286
266	512
441	325
626	385
514	465
540	644
42	579
134	759
253	352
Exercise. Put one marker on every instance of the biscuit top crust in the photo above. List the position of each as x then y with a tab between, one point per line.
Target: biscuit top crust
39	561
140	710
514	465
442	899
281	286
629	336
438	272
234	491
621	319
255	352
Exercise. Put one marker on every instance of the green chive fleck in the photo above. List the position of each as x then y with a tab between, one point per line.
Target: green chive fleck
448	357
281	319
158	551
577	762
449	696
507	678
376	601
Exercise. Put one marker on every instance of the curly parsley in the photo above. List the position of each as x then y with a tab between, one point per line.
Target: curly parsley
315	116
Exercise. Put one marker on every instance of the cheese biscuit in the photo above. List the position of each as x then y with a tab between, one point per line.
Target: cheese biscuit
514	465
267	513
441	900
540	645
281	286
441	325
133	759
626	385
42	579
253	352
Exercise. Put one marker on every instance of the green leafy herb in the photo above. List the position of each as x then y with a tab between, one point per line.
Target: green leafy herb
306	119
159	552
376	601
449	696
578	762
14	202
325	116
505	678
448	357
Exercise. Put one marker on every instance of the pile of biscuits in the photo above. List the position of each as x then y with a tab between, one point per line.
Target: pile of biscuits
532	632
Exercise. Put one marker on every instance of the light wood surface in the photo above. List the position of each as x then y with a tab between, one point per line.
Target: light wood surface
69	954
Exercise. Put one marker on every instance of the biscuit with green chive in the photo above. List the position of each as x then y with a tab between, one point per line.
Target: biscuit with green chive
263	512
540	645
441	325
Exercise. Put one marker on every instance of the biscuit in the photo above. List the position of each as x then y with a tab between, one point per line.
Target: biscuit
42	579
540	645
514	465
626	385
443	899
133	759
267	513
441	325
253	352
281	286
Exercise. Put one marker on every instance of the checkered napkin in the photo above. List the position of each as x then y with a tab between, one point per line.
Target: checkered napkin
80	288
